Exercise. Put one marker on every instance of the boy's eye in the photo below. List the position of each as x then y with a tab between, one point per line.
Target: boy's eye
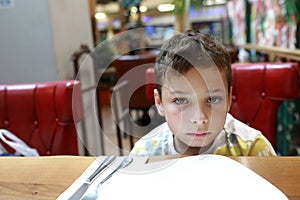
180	100
214	100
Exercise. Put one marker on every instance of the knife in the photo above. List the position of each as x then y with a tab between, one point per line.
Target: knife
92	195
85	185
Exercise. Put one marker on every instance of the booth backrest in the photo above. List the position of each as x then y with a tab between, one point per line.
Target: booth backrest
43	114
258	90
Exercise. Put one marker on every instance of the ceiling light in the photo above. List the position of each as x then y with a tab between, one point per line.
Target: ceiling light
133	10
100	16
208	2
143	9
165	7
213	2
220	1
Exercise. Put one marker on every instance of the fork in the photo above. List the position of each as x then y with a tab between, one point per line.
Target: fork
94	193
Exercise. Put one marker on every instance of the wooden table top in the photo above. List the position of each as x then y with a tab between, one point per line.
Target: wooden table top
47	177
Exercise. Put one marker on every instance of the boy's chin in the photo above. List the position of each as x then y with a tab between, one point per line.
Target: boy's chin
199	144
191	151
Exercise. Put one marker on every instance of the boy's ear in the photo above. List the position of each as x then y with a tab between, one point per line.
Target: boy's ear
229	99
158	103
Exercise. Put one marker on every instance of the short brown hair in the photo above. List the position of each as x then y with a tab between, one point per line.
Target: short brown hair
191	49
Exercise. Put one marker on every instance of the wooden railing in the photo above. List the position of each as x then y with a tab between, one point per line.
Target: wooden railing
292	54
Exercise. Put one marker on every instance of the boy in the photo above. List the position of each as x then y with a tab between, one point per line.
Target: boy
193	75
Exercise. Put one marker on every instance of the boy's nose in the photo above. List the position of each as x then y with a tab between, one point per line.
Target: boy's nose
200	116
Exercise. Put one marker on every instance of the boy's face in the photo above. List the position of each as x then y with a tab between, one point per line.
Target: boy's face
195	107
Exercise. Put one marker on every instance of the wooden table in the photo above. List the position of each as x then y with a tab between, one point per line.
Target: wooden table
48	177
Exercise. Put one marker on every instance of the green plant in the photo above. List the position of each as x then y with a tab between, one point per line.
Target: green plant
291	7
180	4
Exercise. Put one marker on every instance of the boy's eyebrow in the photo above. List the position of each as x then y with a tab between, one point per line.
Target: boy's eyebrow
208	91
216	90
178	92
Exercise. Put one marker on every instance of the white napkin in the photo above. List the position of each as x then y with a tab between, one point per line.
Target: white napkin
194	177
138	163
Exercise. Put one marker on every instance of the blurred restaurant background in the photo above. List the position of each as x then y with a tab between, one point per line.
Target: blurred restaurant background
86	40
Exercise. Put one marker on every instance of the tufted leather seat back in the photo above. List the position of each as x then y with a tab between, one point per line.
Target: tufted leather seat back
43	114
258	90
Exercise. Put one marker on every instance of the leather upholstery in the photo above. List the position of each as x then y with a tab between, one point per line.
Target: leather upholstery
43	114
258	90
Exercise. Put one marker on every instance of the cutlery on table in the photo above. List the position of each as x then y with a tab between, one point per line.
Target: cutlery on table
85	185
94	193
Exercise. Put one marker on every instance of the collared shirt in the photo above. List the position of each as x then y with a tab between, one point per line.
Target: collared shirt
236	139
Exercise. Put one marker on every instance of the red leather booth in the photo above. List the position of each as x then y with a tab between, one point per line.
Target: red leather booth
258	90
43	115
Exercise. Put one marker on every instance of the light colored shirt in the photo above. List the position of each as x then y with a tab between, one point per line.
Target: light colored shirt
236	139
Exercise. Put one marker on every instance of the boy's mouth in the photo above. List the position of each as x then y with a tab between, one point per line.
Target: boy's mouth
198	134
